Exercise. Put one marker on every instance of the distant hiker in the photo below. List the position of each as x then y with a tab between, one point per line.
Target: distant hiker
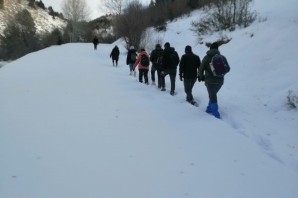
115	55
188	72
131	59
95	42
155	58
170	61
213	83
143	62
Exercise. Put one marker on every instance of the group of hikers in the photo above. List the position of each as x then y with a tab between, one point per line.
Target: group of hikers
165	62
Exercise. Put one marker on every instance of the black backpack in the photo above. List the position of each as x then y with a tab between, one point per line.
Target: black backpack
144	60
219	65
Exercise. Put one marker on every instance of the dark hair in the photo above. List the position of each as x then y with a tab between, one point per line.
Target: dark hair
214	45
167	44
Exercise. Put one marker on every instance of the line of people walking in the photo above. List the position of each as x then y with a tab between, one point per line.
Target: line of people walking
166	61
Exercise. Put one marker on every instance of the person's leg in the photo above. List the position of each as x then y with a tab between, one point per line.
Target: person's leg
187	89
146	76
172	74
212	105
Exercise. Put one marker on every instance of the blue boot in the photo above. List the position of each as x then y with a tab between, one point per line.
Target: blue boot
214	109
208	109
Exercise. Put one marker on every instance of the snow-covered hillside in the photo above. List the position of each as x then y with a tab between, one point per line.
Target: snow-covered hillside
72	125
43	21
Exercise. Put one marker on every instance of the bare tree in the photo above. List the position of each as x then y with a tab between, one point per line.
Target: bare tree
75	11
113	7
132	24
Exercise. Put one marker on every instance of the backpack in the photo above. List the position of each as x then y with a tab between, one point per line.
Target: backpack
133	57
174	59
219	66
144	60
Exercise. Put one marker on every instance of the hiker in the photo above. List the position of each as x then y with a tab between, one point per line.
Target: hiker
155	58
188	72
143	62
115	55
212	83
95	42
170	61
131	59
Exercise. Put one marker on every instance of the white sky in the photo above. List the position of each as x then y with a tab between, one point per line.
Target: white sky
94	6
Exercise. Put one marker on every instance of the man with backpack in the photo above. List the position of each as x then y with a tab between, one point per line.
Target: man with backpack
142	62
212	70
170	61
131	59
155	58
188	71
115	55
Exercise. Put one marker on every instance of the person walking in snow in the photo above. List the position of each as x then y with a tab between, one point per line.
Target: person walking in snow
131	59
170	61
155	58
188	72
115	55
212	83
95	42
143	62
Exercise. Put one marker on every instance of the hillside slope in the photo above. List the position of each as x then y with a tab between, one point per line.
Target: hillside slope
43	21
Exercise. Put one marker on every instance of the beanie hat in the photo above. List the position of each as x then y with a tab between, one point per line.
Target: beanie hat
214	45
188	49
167	44
157	46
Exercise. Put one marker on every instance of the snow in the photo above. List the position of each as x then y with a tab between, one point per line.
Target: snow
72	125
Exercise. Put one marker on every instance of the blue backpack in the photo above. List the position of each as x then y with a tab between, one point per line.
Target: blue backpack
219	65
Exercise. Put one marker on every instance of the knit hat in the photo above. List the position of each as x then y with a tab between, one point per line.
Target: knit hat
214	45
167	44
188	49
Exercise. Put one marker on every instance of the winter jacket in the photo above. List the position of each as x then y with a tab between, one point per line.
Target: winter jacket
138	61
189	65
115	53
155	56
95	41
170	59
205	70
128	58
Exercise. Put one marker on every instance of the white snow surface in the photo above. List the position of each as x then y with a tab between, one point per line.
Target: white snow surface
73	126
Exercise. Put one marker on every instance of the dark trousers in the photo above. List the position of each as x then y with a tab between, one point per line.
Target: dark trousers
212	91
160	79
115	60
172	73
153	74
143	72
188	85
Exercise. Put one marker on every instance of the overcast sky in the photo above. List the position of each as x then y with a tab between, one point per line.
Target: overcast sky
94	6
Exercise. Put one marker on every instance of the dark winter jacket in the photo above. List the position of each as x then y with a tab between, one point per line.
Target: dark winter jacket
115	53
189	65
205	70
128	58
95	41
155	57
170	59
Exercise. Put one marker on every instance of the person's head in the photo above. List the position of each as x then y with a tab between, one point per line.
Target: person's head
167	45
214	46
188	49
157	46
142	50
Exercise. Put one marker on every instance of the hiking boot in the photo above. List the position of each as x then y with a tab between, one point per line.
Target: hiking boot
172	93
163	89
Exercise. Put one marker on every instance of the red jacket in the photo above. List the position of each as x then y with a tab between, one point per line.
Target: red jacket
138	61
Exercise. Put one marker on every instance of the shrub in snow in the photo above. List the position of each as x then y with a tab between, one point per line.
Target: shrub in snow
225	15
292	100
